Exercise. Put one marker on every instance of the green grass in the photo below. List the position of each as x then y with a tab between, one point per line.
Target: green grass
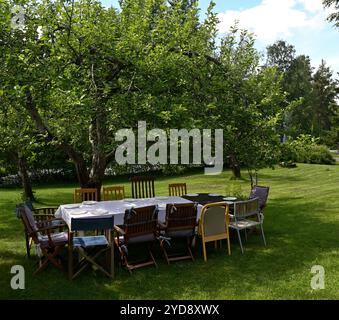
301	226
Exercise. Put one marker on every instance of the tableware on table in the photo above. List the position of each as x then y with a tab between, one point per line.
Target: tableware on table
214	195
192	195
129	205
79	212
72	206
230	198
89	203
99	212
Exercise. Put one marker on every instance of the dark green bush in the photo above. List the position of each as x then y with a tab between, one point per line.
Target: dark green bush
320	154
305	149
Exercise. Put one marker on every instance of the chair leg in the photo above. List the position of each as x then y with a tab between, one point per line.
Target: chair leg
245	235
228	246
162	246
49	258
28	246
42	265
204	250
112	259
70	262
151	254
189	244
124	260
239	237
263	235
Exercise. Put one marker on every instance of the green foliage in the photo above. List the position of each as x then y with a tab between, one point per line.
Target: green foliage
305	149
281	54
313	95
236	190
78	71
334	16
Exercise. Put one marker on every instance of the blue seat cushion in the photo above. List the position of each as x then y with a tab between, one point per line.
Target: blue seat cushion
90	241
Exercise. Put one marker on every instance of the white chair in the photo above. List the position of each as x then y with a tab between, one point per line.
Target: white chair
243	210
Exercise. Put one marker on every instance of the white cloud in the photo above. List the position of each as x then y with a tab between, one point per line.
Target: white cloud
312	5
273	19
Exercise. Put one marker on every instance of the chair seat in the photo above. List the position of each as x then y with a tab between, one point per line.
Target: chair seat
180	233
90	241
57	238
244	224
139	239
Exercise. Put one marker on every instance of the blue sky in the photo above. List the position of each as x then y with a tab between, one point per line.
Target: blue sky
299	22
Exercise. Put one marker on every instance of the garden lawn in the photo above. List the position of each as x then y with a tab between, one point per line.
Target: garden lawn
301	227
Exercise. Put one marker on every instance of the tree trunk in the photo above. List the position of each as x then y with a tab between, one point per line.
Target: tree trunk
235	167
97	136
26	181
253	177
97	173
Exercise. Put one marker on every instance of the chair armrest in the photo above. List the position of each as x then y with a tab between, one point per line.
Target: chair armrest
49	222
50	228
51	219
47	215
119	230
43	218
45	210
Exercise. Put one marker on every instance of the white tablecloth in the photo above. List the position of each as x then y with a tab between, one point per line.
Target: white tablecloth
116	208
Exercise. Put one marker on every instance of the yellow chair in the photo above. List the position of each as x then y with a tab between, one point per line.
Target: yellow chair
177	189
85	194
213	225
113	193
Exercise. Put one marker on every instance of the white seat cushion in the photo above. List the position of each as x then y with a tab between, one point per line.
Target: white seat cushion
243	224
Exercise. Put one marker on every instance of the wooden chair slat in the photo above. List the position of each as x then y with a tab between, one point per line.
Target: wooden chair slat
143	187
85	194
177	189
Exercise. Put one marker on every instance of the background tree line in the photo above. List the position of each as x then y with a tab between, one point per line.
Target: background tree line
317	91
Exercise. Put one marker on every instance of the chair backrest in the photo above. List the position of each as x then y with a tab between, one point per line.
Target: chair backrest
29	222
214	219
243	209
181	216
177	189
261	193
85	194
143	187
113	193
140	221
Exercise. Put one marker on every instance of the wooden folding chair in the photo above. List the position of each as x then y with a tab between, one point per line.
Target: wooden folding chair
113	193
181	221
96	251
143	187
49	244
85	194
140	227
177	189
41	215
